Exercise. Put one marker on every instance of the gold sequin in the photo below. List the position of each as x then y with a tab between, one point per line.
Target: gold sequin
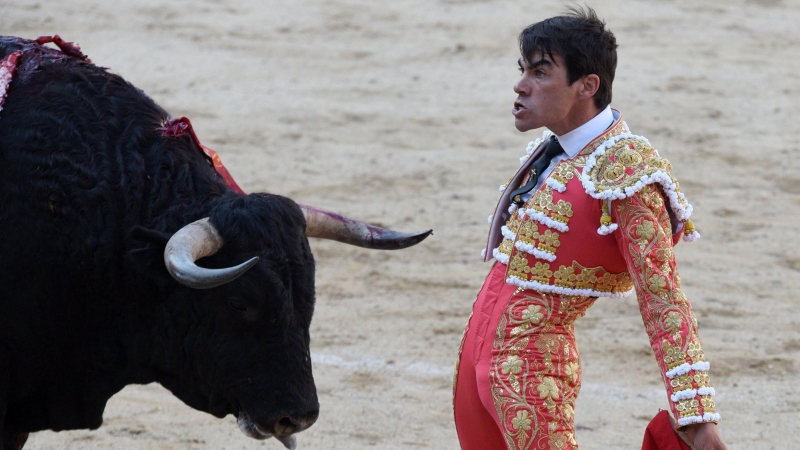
688	407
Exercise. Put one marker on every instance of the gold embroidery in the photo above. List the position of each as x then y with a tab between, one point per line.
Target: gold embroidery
668	317
673	321
657	283
577	276
533	314
611	132
548	389
565	276
512	365
688	407
541	272
629	158
542	201
673	356
548	242
506	246
708	404
702	379
646	230
614	172
626	163
521	422
681	383
695	352
535	375
562	172
518	266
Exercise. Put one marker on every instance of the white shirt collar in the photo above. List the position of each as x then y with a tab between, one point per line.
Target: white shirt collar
574	141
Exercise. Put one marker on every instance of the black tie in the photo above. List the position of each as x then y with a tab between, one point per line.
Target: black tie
553	149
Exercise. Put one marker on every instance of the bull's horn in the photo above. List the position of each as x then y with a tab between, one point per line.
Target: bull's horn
192	242
329	225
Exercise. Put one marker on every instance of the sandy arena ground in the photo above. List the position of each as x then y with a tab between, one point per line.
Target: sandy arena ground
399	113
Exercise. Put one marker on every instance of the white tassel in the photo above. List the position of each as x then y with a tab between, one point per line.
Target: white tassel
508	234
557	185
683	395
691	237
543	219
707	391
502	258
530	249
683	421
605	230
707	417
683	369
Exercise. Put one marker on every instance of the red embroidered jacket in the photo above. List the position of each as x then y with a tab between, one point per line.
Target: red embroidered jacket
604	224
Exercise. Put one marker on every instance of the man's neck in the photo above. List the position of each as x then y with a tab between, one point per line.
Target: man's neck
578	116
574	141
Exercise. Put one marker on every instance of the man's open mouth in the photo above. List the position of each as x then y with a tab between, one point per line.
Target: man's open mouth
517	108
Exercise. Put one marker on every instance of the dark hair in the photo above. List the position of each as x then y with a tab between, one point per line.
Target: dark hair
580	38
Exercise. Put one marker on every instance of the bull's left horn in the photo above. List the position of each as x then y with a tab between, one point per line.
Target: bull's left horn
192	242
329	225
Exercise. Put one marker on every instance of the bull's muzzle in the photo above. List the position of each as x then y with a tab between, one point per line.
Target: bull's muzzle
283	429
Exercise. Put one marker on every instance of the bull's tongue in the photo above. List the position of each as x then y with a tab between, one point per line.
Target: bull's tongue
289	442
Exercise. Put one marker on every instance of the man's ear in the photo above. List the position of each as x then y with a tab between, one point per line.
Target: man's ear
589	86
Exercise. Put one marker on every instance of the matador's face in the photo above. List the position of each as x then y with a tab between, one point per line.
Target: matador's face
544	96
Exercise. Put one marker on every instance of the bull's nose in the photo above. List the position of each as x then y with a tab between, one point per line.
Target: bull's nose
291	424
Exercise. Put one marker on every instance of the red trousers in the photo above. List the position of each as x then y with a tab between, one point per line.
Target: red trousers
519	371
477	423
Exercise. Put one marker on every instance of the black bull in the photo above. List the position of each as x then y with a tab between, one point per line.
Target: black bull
94	199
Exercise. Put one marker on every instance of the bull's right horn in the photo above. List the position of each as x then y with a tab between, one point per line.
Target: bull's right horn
329	225
192	242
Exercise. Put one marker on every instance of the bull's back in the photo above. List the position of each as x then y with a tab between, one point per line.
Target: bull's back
82	163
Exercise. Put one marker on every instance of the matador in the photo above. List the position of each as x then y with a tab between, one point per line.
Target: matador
593	211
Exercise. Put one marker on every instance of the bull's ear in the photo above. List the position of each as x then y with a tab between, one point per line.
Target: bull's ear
145	257
146	235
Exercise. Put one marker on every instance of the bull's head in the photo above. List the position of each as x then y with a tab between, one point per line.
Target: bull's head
271	295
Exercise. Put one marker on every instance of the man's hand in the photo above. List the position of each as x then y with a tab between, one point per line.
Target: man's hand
705	436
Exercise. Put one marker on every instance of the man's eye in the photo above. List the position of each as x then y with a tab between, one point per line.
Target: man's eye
521	71
539	73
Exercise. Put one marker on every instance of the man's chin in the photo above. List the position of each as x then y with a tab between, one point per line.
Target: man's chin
524	126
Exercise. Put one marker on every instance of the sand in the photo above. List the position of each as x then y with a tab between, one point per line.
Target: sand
399	113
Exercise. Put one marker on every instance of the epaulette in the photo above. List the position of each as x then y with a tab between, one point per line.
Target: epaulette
625	164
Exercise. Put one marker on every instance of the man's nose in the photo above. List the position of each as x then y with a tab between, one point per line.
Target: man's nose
521	87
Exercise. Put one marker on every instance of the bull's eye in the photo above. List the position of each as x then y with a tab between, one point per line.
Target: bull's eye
238	305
